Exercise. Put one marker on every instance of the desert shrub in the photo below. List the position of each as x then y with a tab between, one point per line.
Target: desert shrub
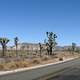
36	61
60	59
11	65
45	58
21	64
24	63
7	66
1	66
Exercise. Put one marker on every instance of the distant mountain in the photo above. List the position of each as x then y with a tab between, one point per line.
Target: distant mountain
34	46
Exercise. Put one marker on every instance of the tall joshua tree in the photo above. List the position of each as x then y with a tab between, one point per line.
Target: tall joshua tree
40	46
3	42
51	43
16	44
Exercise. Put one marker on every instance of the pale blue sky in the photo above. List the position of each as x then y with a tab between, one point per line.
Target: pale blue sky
30	19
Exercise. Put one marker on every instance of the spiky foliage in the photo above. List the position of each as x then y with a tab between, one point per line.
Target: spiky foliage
51	43
3	42
16	44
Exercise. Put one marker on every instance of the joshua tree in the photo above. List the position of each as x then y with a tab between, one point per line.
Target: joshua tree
51	43
73	47
16	44
3	42
47	48
40	46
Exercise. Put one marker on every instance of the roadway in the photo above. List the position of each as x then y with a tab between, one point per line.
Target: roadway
69	70
69	73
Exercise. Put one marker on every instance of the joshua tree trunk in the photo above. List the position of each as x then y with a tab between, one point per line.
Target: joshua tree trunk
47	51
40	49
16	51
3	51
50	50
16	44
40	53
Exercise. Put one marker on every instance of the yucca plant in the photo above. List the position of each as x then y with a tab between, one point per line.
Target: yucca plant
3	42
51	43
16	44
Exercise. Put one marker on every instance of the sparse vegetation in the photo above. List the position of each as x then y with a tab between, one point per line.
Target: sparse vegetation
20	58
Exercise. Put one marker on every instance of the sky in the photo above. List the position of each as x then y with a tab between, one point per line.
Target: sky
29	20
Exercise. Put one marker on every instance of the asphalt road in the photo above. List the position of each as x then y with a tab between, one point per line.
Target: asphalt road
64	71
71	72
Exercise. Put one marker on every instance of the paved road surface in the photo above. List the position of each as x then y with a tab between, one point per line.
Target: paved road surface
64	71
70	73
